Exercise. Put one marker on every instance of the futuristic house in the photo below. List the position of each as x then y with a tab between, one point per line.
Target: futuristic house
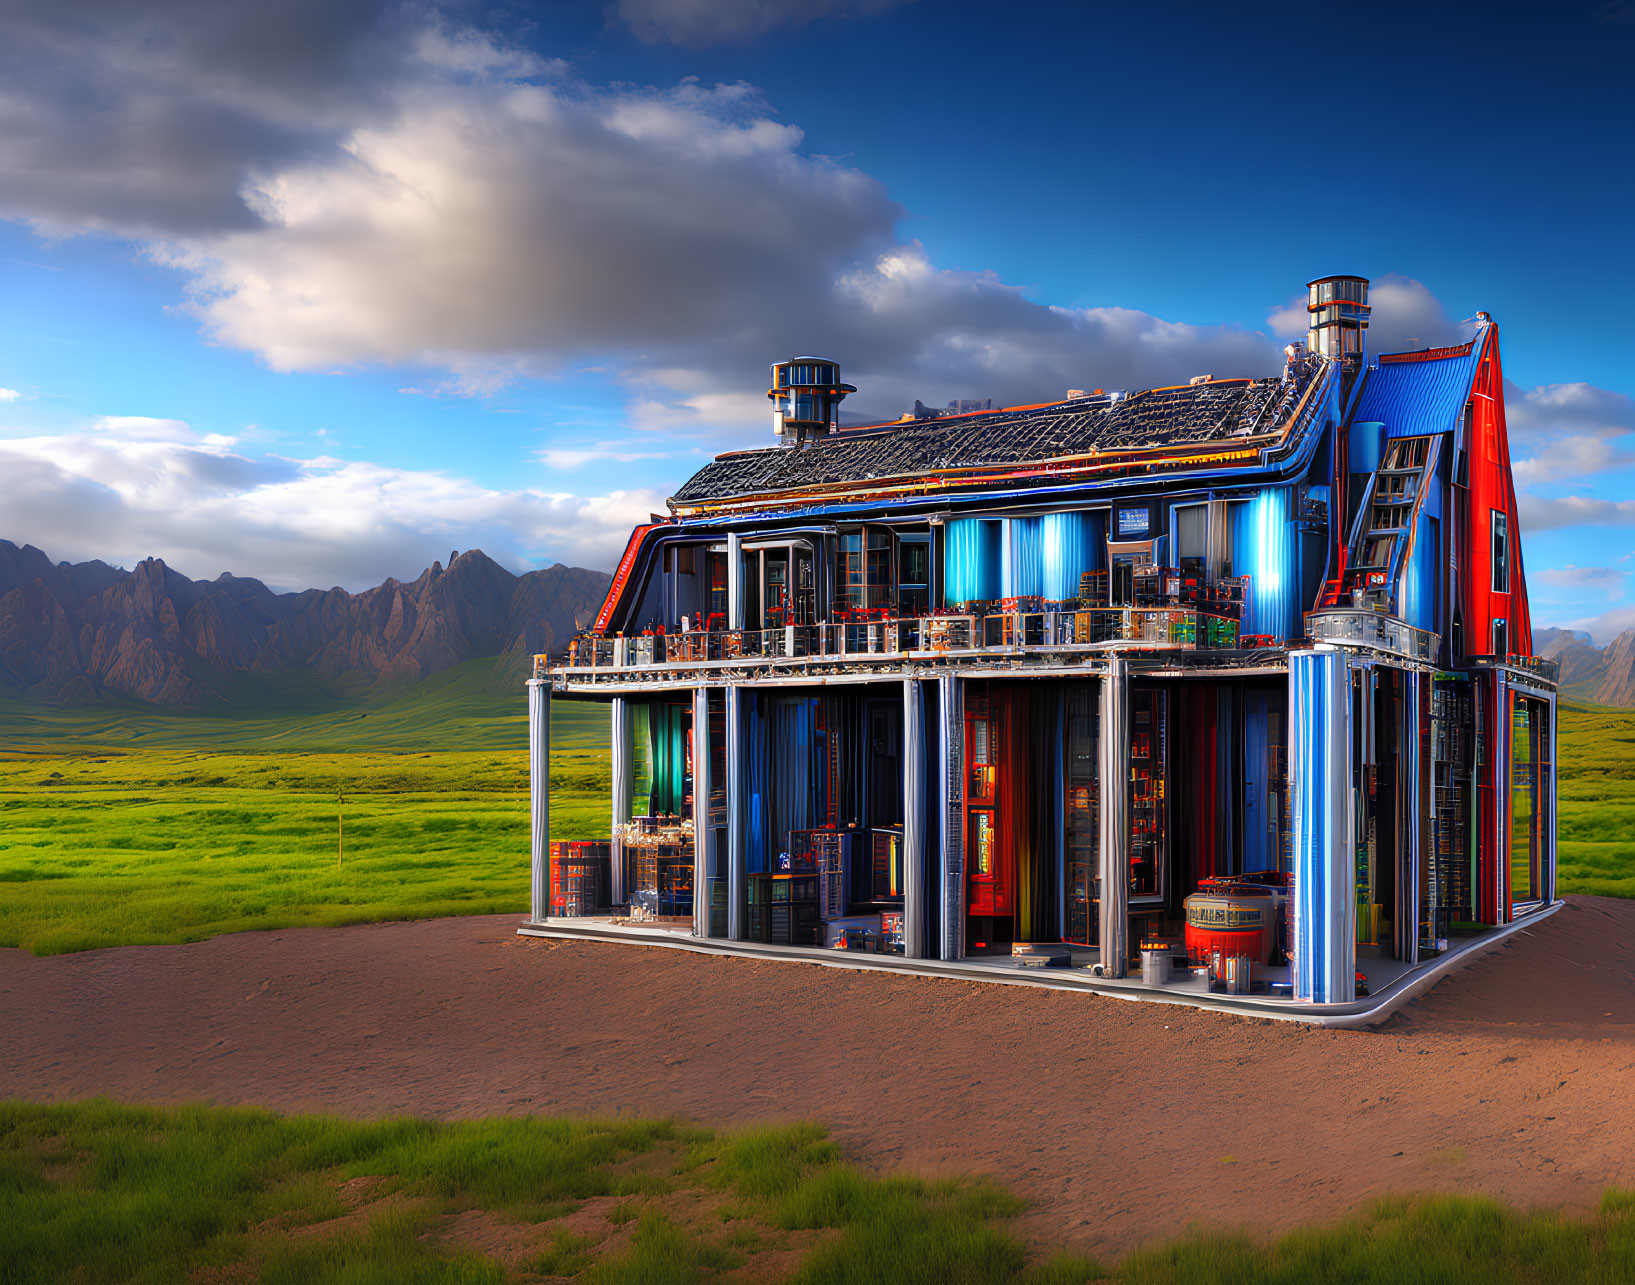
1239	670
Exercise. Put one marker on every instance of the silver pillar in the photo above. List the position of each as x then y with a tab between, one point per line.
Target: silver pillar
539	793
1115	818
1504	729
1411	788
913	819
1061	815
623	784
951	763
703	836
737	820
735	582
1547	805
1322	793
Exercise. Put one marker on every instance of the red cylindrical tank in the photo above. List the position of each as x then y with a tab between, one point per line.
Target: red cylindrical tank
1238	917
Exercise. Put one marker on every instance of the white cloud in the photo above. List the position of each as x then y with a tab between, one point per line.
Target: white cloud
706	22
1607	580
1542	513
565	458
9	395
412	190
1602	627
205	508
1403	314
1537	418
1566	458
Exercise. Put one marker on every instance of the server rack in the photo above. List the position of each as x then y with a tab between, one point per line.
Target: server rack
1082	830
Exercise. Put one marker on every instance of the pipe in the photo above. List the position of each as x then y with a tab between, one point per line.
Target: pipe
539	794
619	720
1321	783
951	794
737	857
913	820
703	835
1115	819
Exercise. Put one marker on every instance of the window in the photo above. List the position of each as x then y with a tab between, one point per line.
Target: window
1529	784
913	577
878	569
717	563
1501	552
849	571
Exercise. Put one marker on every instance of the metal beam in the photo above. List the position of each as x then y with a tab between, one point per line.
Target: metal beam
951	789
735	581
1547	863
913	819
703	835
1412	783
737	814
539	793
623	784
1115	819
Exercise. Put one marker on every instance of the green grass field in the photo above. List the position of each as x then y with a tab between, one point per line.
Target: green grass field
129	825
125	825
1595	833
99	1192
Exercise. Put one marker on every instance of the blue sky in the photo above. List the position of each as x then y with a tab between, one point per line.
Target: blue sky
321	291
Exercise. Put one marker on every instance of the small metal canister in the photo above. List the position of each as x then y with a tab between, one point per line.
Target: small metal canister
1157	963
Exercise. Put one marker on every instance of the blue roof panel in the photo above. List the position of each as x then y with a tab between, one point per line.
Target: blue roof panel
1418	397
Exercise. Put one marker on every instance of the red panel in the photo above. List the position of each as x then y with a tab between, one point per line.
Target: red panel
1491	488
621	577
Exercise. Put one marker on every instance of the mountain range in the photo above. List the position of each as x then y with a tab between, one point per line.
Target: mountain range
76	633
1605	675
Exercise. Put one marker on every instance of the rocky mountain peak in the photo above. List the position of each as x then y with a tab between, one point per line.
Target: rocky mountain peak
80	632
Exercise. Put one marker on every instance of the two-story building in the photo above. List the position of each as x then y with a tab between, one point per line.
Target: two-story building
1238	669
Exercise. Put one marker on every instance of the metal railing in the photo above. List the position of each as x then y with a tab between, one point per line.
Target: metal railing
1548	671
1357	627
1001	633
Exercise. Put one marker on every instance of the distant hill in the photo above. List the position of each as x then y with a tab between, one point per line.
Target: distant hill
82	633
1605	675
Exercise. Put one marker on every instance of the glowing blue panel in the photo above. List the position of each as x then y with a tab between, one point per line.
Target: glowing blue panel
1021	563
1418	587
1265	550
971	561
1068	547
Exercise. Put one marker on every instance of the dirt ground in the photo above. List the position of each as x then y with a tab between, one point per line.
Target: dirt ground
1123	1121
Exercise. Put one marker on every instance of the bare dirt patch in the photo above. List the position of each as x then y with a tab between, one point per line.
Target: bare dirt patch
1121	1121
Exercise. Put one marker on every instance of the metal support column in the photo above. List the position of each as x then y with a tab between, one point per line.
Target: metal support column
1320	778
1115	819
623	784
1412	785
737	819
735	581
1061	817
1504	730
951	791
913	820
1547	823
703	835
539	793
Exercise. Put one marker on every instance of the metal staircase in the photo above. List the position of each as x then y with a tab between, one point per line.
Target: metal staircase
1381	533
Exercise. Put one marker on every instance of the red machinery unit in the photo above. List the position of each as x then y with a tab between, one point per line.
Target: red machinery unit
1238	915
989	873
580	872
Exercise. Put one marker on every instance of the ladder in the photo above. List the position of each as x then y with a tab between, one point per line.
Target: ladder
1383	530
